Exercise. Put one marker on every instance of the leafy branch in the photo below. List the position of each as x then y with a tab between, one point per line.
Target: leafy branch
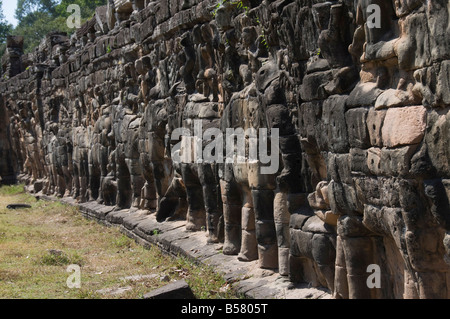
264	39
240	5
216	8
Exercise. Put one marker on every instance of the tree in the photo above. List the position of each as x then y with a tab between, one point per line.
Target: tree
5	30
34	27
39	17
87	7
5	27
25	7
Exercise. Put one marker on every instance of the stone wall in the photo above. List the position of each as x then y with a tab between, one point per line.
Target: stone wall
362	115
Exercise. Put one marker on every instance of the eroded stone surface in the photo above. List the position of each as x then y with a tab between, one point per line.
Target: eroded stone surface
404	126
362	115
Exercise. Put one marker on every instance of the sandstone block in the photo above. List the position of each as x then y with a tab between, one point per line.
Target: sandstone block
404	126
439	147
301	243
357	129
393	98
176	290
334	121
313	86
413	47
375	121
364	94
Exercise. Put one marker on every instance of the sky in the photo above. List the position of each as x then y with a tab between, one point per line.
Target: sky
9	8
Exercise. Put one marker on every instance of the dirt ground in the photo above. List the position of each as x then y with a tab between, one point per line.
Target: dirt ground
40	246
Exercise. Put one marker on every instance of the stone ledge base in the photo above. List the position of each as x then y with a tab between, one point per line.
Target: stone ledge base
172	238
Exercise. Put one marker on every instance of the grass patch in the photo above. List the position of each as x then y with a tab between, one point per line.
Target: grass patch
59	258
38	244
12	190
121	242
204	281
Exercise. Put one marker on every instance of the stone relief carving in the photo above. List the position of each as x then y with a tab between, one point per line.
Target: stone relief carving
361	113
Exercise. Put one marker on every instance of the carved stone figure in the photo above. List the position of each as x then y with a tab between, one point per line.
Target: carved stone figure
340	111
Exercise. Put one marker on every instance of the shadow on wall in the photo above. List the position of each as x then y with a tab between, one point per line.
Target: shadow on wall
361	116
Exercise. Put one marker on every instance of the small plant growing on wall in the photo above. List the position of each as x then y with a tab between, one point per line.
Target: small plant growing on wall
240	5
264	39
216	8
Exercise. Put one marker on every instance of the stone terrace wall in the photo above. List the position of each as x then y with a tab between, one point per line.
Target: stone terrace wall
363	117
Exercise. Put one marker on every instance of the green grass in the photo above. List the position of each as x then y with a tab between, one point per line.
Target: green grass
51	259
38	244
203	280
12	190
121	242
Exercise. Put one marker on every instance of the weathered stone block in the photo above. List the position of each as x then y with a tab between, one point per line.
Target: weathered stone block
301	243
364	94
358	162
395	98
438	20
339	168
334	121
316	225
309	123
357	129
375	121
438	147
374	160
263	204
439	201
176	290
313	86
413	47
323	249
396	162
343	199
404	126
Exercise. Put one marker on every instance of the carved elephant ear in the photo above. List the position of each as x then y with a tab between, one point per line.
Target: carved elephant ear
266	75
185	40
223	16
321	15
197	34
207	33
249	36
143	65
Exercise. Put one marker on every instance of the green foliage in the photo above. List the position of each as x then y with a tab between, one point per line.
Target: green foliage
5	27
264	41
60	259
240	5
36	25
26	7
12	190
121	242
218	5
37	18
